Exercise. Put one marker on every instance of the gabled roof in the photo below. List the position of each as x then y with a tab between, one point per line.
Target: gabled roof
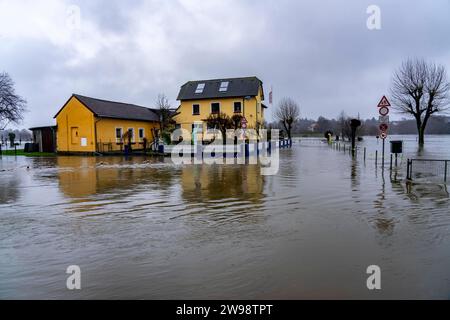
237	87
42	127
117	110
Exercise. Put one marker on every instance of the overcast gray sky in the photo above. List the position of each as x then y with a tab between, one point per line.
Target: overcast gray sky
320	53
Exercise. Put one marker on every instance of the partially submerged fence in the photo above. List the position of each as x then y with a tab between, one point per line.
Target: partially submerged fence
427	169
233	149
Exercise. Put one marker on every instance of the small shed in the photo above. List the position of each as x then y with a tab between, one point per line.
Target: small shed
45	138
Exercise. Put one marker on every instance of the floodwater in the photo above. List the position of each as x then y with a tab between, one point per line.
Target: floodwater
144	228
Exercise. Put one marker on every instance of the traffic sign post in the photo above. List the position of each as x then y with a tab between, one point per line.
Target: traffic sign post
383	127
244	123
383	110
384	102
243	126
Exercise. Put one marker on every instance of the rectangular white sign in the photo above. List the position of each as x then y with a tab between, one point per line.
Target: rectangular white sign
384	119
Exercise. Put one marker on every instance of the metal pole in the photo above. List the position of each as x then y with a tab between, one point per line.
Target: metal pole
364	154
396	160
407	169
382	156
410	169
376	157
391	163
445	172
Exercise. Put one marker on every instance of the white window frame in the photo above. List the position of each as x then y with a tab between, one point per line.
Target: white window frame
220	107
121	134
133	138
196	104
234	110
139	134
225	87
200	88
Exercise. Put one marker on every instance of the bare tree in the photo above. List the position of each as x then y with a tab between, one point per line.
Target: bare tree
343	126
12	106
420	89
287	113
220	121
163	105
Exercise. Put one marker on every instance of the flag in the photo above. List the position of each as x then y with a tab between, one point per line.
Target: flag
271	96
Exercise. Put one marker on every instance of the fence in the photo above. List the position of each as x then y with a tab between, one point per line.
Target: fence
427	169
233	149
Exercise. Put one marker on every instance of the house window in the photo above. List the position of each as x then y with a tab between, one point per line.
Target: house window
195	109
237	107
223	86
200	88
141	133
119	134
215	107
198	126
131	131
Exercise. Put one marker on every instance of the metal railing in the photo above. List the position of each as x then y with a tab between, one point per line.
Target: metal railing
429	169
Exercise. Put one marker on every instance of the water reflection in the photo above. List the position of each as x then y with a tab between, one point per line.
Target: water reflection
418	191
9	187
208	231
80	177
204	183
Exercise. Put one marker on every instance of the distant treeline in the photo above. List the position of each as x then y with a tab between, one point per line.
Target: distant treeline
20	135
369	127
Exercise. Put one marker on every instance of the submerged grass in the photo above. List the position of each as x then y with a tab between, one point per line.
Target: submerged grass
27	154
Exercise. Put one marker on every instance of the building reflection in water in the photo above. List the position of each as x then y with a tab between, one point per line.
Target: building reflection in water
223	193
217	182
81	177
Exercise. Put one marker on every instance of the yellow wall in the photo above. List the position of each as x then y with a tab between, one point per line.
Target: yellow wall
75	122
251	110
106	132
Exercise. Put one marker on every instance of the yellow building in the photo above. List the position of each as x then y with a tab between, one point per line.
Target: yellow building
88	125
200	99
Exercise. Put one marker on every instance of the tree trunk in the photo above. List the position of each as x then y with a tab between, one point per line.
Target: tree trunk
420	131
421	137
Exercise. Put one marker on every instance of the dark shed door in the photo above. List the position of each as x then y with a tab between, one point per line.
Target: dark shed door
47	140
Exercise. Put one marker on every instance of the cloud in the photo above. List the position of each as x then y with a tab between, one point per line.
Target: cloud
319	53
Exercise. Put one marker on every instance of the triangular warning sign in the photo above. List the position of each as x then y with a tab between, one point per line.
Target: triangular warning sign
384	102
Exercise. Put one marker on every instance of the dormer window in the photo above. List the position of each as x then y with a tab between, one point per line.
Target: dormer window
223	86
200	88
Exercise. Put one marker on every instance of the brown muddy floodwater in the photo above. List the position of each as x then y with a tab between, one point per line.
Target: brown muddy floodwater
145	228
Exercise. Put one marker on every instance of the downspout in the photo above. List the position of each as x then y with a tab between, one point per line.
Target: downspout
256	109
67	133
95	132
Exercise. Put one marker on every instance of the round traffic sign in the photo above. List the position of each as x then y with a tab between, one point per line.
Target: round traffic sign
383	135
383	127
384	111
